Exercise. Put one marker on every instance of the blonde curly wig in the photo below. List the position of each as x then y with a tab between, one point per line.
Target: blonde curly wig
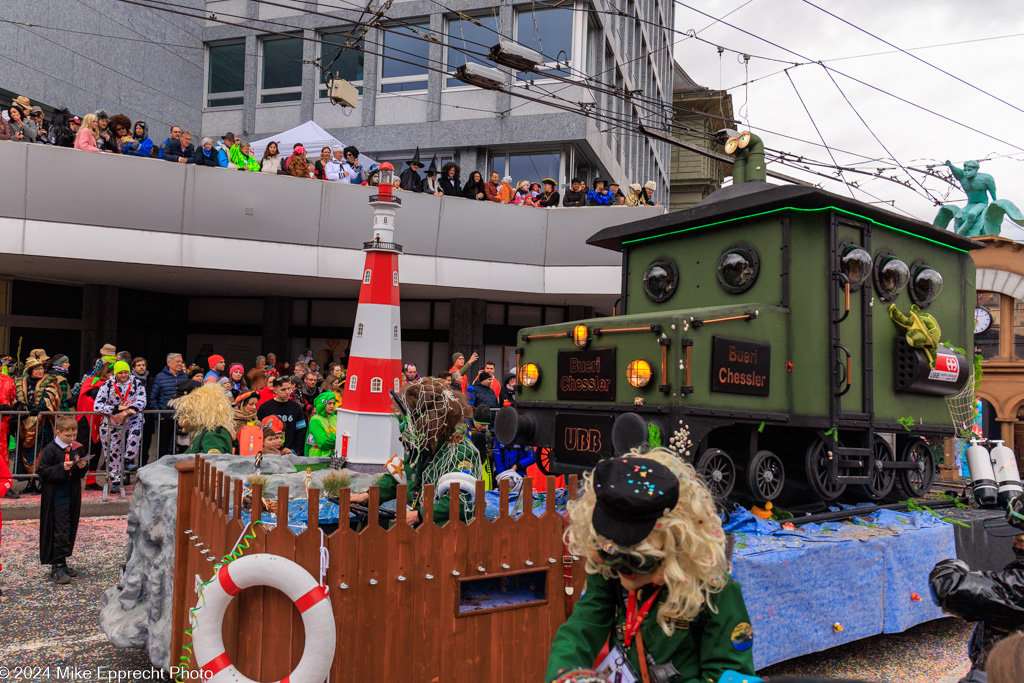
689	538
204	409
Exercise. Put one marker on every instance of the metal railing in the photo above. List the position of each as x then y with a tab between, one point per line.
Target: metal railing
18	459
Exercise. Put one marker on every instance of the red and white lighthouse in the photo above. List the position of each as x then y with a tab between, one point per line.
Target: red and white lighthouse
367	430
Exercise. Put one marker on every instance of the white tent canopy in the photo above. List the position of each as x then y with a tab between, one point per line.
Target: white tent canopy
313	138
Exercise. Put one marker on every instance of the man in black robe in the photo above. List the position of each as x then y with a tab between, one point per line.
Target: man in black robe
62	464
410	179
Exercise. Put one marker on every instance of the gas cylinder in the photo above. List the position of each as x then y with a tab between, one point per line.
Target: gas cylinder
983	478
1004	463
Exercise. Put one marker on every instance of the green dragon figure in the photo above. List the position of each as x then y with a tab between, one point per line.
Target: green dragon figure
922	329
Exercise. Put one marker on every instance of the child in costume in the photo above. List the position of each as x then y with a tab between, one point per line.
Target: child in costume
436	452
323	427
658	587
273	436
121	399
204	411
62	464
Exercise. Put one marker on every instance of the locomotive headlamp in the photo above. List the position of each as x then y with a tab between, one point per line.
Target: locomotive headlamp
891	275
580	336
639	373
738	268
855	263
926	284
529	374
661	279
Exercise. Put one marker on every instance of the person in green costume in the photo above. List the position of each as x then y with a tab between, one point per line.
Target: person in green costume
204	411
658	587
240	154
437	452
323	427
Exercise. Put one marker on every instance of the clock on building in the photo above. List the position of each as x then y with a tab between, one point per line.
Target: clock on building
982	320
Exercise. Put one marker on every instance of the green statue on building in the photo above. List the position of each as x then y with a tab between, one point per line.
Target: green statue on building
979	217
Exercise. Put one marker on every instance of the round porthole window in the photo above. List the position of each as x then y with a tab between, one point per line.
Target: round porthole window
661	279
926	284
738	268
855	263
891	275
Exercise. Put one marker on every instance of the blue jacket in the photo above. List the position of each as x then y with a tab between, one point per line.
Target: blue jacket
163	146
165	386
594	198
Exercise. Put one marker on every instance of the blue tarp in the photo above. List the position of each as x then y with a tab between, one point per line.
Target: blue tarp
799	583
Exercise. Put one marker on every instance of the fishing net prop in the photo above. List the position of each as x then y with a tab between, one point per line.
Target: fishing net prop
963	411
431	419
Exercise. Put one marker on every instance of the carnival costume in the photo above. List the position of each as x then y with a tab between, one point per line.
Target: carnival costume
658	589
111	396
437	451
323	428
204	411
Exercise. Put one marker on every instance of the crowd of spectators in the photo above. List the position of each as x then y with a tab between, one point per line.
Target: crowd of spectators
101	132
278	396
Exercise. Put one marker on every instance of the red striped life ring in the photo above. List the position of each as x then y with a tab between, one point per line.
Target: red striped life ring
263	569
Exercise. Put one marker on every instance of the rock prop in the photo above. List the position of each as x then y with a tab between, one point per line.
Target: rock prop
137	612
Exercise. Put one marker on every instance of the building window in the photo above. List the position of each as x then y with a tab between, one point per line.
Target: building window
352	383
394	332
366	277
528	166
225	80
281	70
409	44
359	330
465	37
1018	330
549	32
347	63
394	278
376	385
987	343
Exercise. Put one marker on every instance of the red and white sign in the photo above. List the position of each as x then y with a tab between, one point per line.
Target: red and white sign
947	368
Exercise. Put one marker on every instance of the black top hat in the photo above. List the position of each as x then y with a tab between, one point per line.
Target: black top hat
186	387
415	158
632	495
432	169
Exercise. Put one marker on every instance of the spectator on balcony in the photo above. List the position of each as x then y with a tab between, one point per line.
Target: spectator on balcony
491	188
599	195
320	167
576	195
227	141
506	193
88	134
475	187
372	176
5	133
20	130
138	144
549	197
649	187
175	135
206	155
106	139
451	184
35	121
618	198
334	170
271	161
241	156
298	164
522	197
63	129
179	149
410	179
431	185
353	169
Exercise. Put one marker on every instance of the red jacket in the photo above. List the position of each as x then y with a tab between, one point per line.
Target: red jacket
491	192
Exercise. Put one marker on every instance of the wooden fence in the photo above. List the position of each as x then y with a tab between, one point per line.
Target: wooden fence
398	616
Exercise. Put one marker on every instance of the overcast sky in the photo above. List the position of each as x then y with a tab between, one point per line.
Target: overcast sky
914	137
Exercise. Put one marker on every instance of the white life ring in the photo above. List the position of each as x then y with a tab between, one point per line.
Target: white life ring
263	569
467	485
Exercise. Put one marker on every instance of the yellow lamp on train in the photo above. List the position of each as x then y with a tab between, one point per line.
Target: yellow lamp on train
639	373
580	336
529	374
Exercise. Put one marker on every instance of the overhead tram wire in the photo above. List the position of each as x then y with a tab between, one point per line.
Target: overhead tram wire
854	79
913	56
818	131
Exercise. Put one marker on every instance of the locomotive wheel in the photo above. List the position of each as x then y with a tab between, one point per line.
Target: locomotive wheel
918	481
817	470
543	460
718	471
882	480
765	476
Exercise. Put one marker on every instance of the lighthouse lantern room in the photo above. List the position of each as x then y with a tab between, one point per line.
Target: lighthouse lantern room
367	431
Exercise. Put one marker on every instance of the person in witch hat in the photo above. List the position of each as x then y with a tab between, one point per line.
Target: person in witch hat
431	185
410	178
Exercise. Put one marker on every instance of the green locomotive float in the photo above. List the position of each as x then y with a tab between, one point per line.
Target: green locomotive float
758	342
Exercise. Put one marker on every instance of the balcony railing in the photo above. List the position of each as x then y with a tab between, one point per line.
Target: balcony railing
383	246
